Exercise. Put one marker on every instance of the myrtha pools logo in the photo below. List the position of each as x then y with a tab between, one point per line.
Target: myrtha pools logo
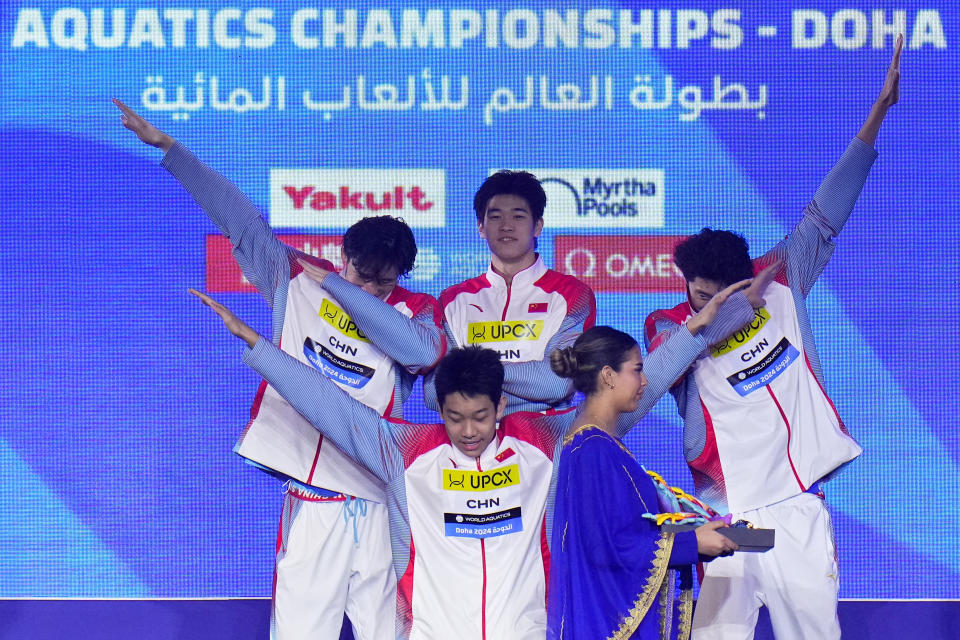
603	198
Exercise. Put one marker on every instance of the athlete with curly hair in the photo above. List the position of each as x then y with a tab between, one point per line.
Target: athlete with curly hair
760	432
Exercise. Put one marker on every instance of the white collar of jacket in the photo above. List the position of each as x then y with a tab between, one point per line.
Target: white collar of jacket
487	458
524	278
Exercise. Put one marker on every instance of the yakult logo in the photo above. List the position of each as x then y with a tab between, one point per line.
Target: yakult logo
336	198
628	264
603	198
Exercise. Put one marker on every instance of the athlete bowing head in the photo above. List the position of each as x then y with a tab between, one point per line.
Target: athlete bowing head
377	251
466	499
469	385
710	261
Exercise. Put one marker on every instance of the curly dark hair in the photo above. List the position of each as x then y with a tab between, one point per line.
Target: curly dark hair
596	348
378	242
471	371
720	256
514	183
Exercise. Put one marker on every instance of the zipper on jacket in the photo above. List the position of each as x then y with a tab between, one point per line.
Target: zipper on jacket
786	423
506	306
483	564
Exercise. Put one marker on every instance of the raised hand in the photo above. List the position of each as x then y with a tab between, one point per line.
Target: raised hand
144	130
313	271
706	315
711	542
234	325
758	286
890	93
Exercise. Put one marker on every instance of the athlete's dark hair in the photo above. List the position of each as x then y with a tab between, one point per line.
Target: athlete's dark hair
471	371
514	183
378	242
596	348
721	256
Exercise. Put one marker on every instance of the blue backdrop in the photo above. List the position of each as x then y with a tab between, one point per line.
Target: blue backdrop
122	396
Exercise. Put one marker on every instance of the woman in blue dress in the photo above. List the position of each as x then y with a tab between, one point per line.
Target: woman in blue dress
613	572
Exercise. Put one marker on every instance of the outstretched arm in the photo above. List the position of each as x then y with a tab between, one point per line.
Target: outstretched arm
810	245
353	427
719	318
673	353
535	381
415	343
265	260
429	382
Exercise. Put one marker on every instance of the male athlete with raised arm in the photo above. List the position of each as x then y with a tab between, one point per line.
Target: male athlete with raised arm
469	499
357	329
760	433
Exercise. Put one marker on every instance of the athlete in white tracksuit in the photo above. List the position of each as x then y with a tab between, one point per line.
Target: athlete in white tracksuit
469	501
518	308
368	335
760	432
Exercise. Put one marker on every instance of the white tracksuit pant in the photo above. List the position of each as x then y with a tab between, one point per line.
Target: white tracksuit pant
796	580
333	556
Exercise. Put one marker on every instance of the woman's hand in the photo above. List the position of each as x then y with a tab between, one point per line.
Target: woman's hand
711	542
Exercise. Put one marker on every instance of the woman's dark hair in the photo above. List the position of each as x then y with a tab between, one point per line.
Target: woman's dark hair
471	371
378	242
596	348
720	256
514	183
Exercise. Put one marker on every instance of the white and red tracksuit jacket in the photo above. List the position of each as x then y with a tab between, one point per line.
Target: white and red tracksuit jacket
539	311
371	348
758	425
470	536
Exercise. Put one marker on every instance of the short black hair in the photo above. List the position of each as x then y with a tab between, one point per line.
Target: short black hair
514	183
471	371
720	256
378	242
596	348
